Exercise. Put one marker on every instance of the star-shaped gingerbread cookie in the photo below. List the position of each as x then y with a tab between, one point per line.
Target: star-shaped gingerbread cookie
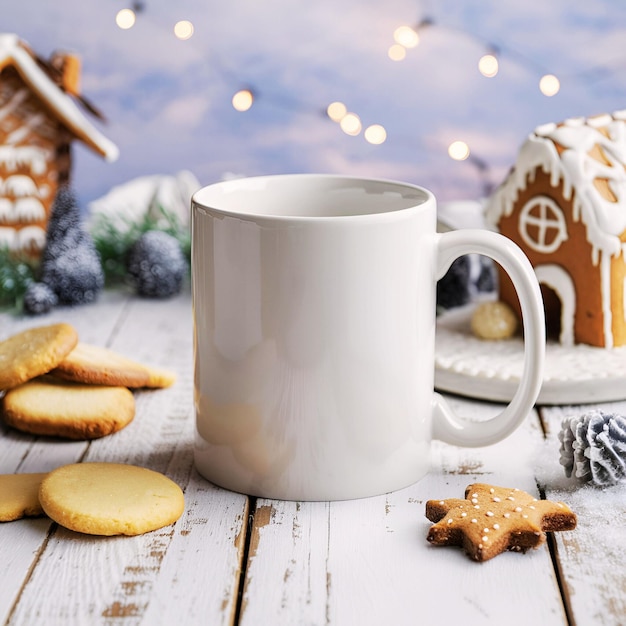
493	519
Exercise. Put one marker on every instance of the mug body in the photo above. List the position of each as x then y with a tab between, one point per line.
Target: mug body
314	328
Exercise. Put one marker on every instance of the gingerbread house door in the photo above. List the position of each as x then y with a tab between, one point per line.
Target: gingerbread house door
561	283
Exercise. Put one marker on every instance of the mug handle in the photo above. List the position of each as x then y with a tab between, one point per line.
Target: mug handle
457	430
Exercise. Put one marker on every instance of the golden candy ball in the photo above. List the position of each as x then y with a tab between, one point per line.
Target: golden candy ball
494	320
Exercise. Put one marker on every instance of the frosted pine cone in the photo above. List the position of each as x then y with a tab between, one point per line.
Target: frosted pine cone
593	447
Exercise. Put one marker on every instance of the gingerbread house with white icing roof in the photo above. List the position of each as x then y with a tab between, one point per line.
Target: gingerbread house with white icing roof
38	121
564	204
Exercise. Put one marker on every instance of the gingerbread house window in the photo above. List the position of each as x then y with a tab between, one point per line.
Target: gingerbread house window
542	224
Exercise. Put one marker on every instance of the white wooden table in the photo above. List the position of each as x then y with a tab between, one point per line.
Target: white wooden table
231	559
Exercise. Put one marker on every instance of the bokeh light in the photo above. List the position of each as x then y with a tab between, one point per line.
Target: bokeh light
375	134
336	111
458	150
183	29
488	65
397	52
351	124
125	18
406	36
243	100
549	85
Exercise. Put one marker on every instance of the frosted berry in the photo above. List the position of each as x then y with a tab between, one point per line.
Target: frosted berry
39	299
156	265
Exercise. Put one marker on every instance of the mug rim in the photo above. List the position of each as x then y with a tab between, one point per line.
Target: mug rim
427	199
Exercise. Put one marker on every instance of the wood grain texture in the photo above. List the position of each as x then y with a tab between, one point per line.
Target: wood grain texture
186	573
592	559
24	540
361	562
367	561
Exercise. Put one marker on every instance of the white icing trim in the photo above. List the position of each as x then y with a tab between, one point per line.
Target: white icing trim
550	218
60	103
8	238
31	235
575	121
20	134
29	210
605	279
576	170
19	185
6	210
555	277
545	129
24	238
600	120
14	102
34	157
624	297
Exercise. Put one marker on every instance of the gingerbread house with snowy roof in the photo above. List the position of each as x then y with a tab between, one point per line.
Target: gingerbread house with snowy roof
564	204
39	118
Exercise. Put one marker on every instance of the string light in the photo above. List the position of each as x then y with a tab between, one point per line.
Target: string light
183	29
336	111
396	52
459	150
488	65
406	36
351	124
375	134
243	100
125	18
549	85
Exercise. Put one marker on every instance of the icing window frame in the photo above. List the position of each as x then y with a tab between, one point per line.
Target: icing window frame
550	218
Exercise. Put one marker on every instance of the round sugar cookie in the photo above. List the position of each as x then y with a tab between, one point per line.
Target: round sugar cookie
110	498
100	366
34	352
19	496
65	409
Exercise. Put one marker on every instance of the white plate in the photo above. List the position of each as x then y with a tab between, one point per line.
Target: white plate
491	370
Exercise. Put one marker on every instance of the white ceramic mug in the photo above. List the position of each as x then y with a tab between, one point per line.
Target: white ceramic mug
314	335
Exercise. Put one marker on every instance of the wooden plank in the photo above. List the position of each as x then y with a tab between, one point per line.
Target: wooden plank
23	541
368	562
94	322
189	571
591	559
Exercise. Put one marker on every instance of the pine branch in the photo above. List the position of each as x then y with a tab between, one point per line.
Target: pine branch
16	273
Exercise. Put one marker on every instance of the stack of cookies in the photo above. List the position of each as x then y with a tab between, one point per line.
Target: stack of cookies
56	386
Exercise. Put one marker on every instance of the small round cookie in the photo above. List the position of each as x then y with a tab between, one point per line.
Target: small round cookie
100	366
110	498
34	352
70	410
20	496
494	320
